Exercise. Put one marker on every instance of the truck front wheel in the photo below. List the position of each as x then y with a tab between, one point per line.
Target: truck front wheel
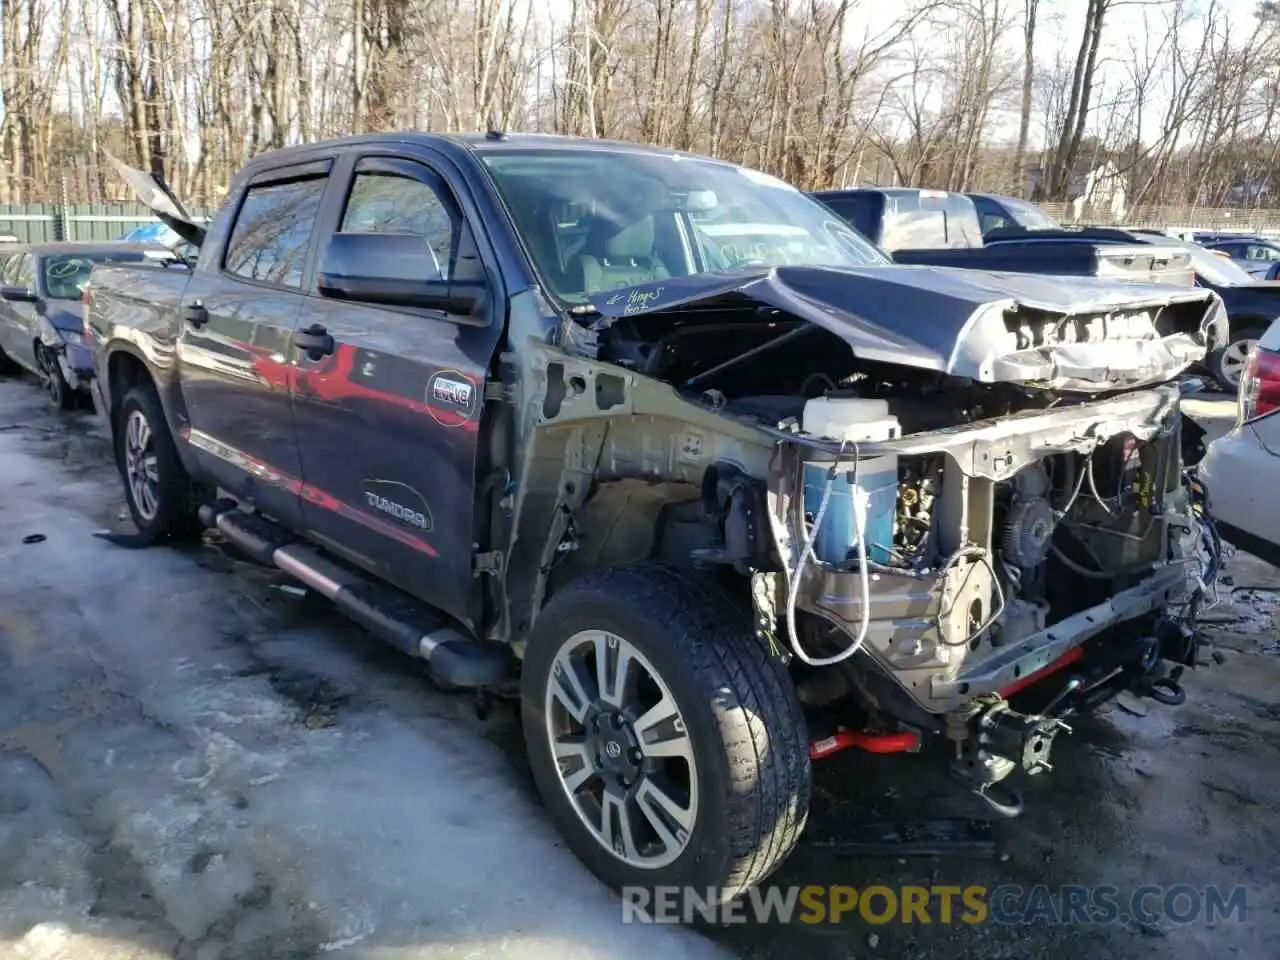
161	497
667	744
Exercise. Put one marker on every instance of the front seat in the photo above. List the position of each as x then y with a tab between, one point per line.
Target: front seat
615	256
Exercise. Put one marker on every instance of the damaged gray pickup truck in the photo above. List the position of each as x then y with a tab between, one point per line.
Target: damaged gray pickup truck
666	447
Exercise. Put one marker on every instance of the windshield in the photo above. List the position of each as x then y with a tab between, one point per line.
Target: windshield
66	274
1029	215
1217	269
599	220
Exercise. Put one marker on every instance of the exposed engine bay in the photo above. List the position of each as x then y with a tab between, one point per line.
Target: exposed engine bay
938	542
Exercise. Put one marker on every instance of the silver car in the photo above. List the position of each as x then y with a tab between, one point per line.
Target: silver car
1241	470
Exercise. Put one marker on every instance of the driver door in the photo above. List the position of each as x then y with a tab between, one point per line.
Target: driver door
388	413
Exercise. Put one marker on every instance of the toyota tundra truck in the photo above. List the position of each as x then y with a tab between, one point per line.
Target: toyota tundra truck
663	446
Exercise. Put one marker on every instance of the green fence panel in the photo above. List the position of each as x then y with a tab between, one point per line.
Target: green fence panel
50	222
103	221
29	222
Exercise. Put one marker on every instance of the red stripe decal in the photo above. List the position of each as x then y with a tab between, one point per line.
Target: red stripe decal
261	470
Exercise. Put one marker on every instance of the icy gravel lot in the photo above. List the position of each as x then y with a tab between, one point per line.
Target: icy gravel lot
196	763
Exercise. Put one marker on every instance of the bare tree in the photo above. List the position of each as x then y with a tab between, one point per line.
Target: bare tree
959	94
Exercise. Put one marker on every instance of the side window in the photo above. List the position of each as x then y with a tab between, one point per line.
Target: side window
993	221
272	233
24	275
385	202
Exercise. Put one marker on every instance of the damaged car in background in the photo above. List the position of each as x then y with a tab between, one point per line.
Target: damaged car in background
666	447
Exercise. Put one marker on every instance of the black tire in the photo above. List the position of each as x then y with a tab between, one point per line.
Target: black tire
1220	362
743	722
176	498
56	387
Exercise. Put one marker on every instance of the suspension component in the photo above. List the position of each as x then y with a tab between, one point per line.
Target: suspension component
1019	738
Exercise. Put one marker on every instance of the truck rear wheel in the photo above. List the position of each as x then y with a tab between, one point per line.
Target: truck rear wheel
667	744
161	497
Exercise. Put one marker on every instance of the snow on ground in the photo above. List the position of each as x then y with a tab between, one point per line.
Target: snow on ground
195	763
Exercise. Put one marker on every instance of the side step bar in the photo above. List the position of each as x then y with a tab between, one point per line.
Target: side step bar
407	624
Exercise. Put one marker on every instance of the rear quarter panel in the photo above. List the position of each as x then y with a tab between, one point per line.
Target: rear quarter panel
134	309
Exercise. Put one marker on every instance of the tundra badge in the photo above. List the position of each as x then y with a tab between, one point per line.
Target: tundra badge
398	500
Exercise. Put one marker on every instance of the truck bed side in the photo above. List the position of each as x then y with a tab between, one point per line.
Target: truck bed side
132	316
1137	262
940	229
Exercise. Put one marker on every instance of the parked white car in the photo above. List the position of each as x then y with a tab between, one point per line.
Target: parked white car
1241	470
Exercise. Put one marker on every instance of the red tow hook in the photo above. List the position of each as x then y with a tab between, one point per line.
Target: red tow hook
904	742
907	741
1074	655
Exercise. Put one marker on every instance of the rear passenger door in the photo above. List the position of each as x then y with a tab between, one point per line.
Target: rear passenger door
388	421
235	349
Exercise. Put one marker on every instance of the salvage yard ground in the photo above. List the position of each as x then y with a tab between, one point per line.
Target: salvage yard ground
197	763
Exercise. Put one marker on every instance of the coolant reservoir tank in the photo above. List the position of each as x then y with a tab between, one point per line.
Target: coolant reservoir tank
873	488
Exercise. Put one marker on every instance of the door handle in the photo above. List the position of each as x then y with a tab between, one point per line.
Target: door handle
195	314
315	341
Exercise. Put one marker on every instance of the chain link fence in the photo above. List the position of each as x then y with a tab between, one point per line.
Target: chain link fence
1225	219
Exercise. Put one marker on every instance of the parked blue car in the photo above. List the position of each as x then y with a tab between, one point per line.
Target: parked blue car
41	309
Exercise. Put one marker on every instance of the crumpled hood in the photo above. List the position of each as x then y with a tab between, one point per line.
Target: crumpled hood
967	323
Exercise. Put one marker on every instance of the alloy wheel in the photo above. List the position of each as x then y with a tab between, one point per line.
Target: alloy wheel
622	749
141	469
50	375
1233	359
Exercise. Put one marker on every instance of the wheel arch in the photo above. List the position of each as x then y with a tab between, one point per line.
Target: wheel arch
1247	321
609	465
127	368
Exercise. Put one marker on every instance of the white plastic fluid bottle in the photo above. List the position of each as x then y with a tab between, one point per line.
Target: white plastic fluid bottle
856	421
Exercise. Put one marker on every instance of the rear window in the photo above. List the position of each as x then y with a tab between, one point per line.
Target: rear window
910	219
930	220
864	211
